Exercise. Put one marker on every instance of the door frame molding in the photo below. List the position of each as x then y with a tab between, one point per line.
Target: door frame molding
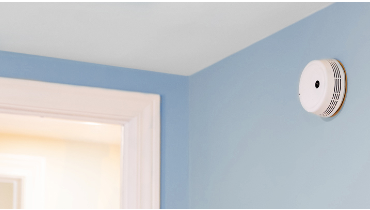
27	173
138	113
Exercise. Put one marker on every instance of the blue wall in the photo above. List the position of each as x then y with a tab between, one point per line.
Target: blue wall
252	145
174	106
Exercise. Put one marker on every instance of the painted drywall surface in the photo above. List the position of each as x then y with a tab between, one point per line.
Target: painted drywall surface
174	106
6	195
252	145
78	174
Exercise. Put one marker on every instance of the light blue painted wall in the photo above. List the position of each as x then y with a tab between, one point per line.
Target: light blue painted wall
252	145
174	106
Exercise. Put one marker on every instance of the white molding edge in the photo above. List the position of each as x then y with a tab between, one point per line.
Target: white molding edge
16	181
139	113
17	189
29	173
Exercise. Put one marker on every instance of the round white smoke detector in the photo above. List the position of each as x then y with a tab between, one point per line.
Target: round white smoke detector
322	87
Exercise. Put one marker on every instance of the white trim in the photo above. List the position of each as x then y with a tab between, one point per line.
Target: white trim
139	113
28	175
17	189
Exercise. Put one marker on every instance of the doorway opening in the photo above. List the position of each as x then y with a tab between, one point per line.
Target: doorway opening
76	164
138	113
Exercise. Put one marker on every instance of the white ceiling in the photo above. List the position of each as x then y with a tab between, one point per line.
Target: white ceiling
176	38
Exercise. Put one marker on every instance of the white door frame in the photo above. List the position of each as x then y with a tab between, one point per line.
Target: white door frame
17	189
28	173
139	113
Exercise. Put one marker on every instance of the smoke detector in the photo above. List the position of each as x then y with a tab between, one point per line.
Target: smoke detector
323	87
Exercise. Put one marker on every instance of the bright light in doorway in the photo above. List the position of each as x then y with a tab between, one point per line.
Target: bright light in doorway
91	123
60	129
